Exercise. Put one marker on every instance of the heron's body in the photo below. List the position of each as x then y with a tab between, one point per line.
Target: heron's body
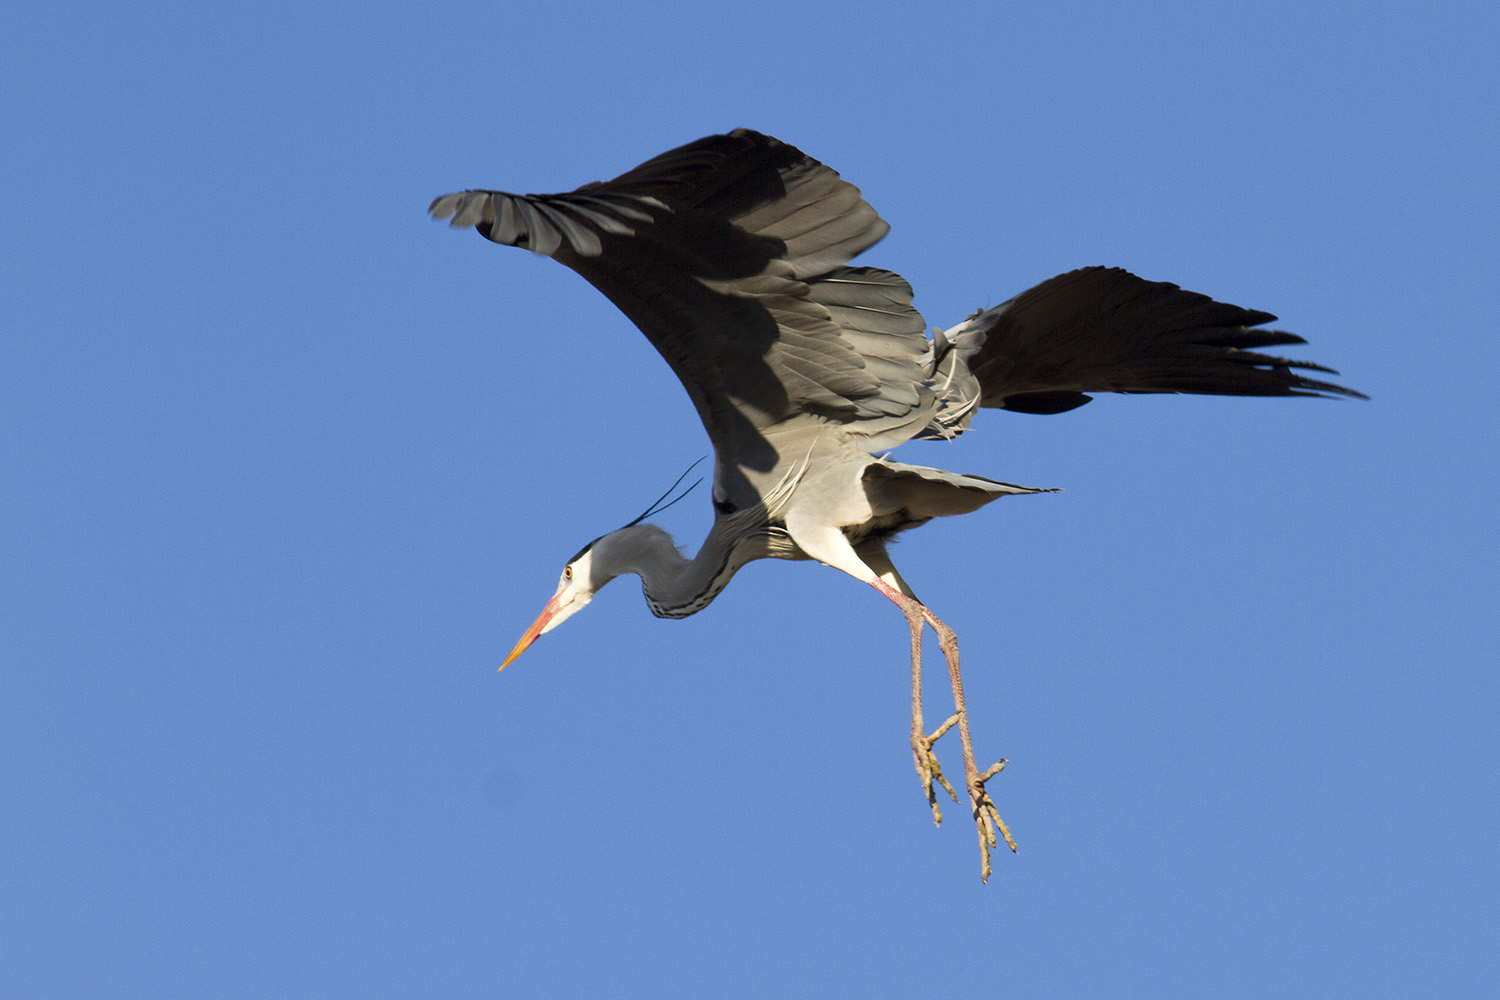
731	255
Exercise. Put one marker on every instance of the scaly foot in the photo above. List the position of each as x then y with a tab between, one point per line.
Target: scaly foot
928	768
987	817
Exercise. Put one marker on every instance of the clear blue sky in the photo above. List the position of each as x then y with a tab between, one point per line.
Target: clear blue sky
287	468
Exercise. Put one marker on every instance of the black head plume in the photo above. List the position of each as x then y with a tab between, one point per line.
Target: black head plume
657	507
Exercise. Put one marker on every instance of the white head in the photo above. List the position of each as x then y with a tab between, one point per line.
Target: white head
627	550
635	548
575	588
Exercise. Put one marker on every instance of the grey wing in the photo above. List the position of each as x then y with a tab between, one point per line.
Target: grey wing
729	255
872	309
1105	330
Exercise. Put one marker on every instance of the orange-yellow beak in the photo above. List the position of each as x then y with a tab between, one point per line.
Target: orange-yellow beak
548	613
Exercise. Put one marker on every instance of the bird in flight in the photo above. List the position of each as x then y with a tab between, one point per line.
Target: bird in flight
731	254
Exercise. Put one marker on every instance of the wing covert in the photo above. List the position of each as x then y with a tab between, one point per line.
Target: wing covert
728	253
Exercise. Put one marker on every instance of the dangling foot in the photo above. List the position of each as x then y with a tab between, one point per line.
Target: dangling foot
986	816
928	768
987	819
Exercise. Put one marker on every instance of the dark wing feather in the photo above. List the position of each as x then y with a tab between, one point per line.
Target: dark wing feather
728	253
1105	330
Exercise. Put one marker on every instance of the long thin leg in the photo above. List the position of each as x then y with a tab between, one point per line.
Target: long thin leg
928	768
986	816
987	819
820	538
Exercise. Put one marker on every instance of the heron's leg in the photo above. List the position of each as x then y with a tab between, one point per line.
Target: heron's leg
986	816
825	542
928	768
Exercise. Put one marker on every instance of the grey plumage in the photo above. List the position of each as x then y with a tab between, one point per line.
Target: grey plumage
732	255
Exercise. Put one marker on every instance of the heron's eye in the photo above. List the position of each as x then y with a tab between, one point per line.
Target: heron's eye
567	572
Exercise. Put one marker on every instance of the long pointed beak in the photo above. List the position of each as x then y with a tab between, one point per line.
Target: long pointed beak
548	613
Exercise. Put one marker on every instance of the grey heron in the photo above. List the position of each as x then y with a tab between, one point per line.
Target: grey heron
732	256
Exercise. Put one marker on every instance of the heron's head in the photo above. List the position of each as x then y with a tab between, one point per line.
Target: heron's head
581	579
631	549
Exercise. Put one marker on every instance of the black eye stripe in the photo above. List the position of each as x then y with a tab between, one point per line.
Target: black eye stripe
579	554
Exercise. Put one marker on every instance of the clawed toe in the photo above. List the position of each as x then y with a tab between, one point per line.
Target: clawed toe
929	770
987	818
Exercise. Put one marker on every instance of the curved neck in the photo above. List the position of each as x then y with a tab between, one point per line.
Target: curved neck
675	586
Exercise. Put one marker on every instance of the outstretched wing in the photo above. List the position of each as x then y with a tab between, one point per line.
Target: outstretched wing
1105	330
729	253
